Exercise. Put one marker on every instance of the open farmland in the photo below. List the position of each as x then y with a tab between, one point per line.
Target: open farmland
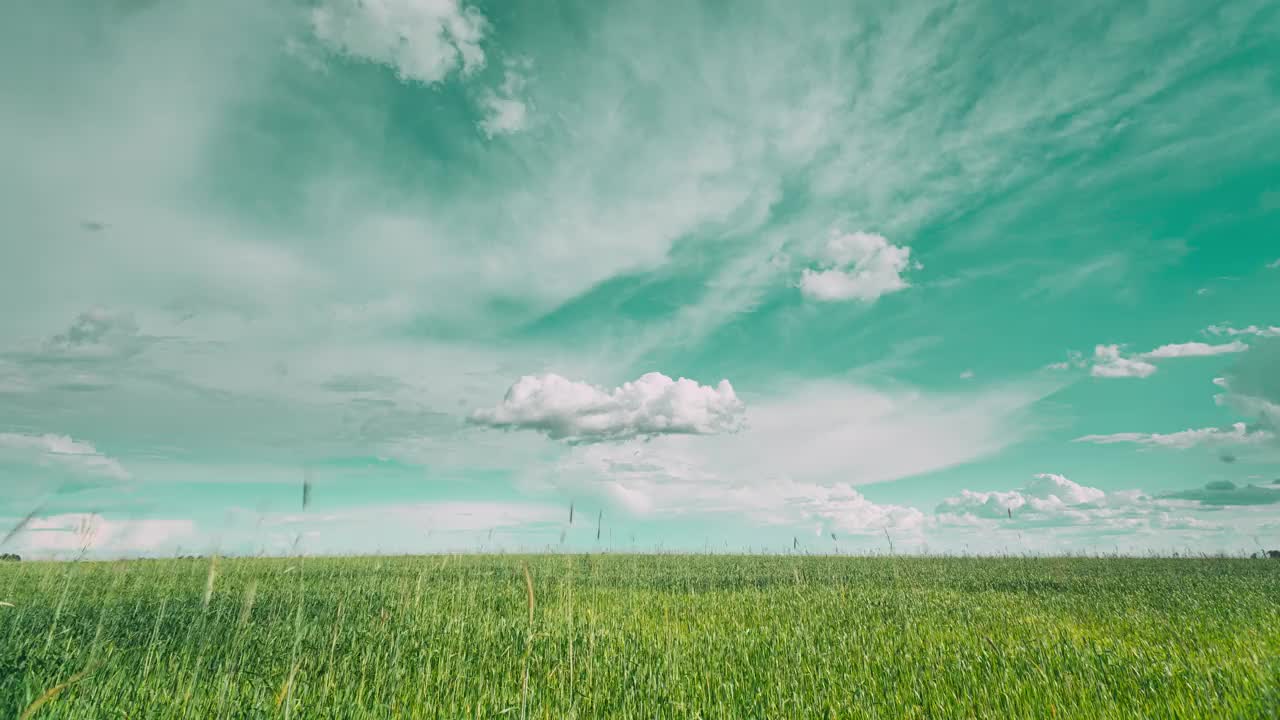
558	636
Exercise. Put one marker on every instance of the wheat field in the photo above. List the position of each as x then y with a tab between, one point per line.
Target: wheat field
641	636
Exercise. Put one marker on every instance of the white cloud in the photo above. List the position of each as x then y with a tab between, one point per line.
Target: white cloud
1109	363
842	508
98	535
1052	500
1219	516
801	457
1047	494
1273	265
857	266
1194	349
672	478
1271	331
422	40
1239	434
966	375
505	112
652	405
60	450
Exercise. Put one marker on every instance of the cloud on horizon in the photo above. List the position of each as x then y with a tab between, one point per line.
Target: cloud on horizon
1054	501
1225	493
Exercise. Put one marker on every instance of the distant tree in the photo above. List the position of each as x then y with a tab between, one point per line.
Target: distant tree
1273	554
10	557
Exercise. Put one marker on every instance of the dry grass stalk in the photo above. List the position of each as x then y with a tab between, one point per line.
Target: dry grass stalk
54	692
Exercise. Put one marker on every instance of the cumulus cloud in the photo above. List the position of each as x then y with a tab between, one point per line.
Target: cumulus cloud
1194	349
1109	363
422	40
1052	500
1239	434
505	111
1046	495
1273	265
1271	331
857	266
652	405
1080	513
61	451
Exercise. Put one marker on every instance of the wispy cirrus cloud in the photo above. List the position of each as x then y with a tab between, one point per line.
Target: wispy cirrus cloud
1238	434
1111	361
1254	330
1194	349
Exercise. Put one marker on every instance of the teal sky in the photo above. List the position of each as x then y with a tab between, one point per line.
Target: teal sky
729	275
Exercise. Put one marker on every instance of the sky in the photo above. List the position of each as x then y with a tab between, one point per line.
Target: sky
921	277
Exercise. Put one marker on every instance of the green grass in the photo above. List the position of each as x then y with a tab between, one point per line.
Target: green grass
642	637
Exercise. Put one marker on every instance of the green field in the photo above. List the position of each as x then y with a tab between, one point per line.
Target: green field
596	636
